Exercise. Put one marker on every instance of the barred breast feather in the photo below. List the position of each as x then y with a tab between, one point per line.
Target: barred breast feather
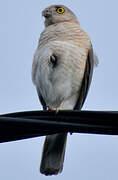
70	45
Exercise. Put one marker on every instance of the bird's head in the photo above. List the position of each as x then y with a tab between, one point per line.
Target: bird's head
58	13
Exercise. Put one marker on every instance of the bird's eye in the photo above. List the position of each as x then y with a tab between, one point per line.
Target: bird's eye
60	10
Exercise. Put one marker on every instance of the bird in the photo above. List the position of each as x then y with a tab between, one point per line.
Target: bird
62	71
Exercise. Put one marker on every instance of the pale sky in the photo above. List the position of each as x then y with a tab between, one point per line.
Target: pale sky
88	157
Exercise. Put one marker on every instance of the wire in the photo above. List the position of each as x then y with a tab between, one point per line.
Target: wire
22	125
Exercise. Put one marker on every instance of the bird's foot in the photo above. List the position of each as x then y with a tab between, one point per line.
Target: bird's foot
51	109
58	109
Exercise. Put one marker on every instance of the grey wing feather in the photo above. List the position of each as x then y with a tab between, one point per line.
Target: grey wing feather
41	100
86	80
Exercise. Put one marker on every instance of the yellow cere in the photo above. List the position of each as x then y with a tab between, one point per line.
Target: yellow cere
60	10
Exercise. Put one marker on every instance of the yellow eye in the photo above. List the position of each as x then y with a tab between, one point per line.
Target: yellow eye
60	10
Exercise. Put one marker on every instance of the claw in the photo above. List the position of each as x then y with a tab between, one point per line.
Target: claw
58	109
50	108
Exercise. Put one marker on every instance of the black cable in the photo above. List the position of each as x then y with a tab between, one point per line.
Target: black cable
21	125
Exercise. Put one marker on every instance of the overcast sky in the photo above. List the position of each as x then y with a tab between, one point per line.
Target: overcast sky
88	157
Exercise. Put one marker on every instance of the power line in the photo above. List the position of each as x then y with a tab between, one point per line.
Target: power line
21	125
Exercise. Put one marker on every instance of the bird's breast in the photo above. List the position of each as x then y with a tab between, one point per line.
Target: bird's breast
58	83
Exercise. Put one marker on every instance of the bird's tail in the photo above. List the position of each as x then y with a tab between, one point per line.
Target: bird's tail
53	154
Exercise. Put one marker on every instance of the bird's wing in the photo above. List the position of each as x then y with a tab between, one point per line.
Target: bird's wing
86	80
41	100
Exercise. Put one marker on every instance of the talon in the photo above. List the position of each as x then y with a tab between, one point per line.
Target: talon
50	108
58	109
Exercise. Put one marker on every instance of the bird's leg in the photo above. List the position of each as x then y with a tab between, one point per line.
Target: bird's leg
59	108
51	108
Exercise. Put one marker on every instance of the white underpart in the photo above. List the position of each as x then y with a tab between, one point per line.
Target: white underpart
59	86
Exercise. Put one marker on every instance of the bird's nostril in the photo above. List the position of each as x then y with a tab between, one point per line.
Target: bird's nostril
46	13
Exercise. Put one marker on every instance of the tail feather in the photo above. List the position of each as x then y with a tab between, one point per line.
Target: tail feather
53	154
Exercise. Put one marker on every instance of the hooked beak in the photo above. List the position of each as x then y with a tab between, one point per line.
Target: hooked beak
46	13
